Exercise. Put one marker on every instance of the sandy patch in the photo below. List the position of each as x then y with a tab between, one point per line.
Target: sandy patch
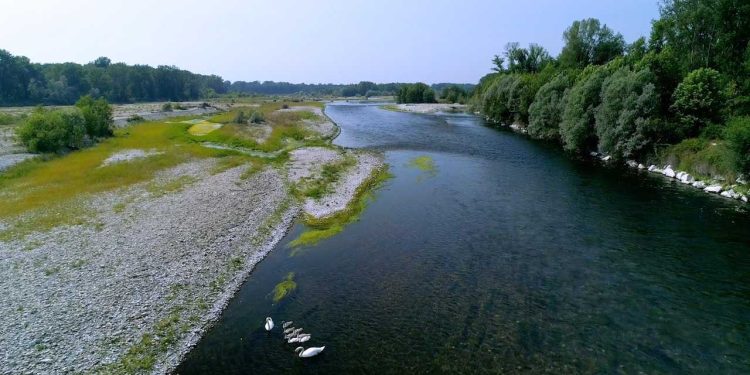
128	155
431	108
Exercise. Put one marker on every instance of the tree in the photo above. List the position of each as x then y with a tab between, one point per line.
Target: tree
626	115
97	115
705	33
454	94
698	101
588	42
522	60
738	138
415	93
52	131
545	113
577	128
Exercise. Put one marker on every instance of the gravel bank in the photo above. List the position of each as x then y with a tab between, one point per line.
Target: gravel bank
307	162
431	107
78	298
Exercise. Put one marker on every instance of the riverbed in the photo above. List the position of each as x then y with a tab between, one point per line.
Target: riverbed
499	254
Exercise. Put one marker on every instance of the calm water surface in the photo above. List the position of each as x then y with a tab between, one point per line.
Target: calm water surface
509	257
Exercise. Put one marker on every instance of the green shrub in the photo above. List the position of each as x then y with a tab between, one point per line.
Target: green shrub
625	117
545	113
166	107
738	137
257	117
7	119
53	131
240	118
135	118
698	101
98	116
415	93
577	129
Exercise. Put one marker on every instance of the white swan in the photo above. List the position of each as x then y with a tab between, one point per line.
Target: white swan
269	324
309	352
286	324
289	330
304	338
293	340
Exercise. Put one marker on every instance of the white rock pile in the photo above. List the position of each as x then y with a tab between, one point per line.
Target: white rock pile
685	178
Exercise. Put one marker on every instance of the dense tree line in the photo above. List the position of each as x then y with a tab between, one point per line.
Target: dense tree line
415	93
364	88
690	78
23	82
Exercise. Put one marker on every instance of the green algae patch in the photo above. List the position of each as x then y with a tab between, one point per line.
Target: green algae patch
203	128
285	287
326	227
424	163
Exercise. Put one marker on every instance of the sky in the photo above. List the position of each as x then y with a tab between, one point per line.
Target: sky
322	41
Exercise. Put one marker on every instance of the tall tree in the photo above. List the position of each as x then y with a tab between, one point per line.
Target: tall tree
589	42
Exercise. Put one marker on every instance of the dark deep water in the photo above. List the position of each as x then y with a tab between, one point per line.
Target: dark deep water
509	258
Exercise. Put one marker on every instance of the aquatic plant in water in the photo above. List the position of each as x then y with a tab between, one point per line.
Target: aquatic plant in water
285	287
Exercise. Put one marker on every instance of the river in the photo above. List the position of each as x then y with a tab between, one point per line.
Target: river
507	257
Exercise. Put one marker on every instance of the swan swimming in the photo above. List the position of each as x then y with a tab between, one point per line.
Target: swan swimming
293	340
289	330
269	323
286	324
309	352
304	338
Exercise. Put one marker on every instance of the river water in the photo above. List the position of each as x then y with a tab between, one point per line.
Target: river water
507	257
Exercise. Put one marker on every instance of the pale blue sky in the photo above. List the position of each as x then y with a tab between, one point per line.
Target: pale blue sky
338	41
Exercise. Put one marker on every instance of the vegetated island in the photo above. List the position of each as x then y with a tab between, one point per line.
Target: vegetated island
118	255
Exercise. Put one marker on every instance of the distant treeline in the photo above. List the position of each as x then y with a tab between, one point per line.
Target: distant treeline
364	88
25	83
689	80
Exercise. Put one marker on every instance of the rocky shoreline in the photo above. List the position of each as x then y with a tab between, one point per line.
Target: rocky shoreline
712	186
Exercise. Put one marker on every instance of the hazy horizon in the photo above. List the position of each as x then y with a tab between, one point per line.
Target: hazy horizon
332	42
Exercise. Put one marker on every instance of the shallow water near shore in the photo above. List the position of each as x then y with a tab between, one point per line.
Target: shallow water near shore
507	256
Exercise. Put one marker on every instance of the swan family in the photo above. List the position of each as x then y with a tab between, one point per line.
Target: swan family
294	335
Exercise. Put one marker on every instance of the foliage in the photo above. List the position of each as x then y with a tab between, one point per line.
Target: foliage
738	138
415	93
698	101
701	157
257	117
522	60
167	107
240	118
23	82
454	94
53	131
624	118
588	42
98	116
545	113
704	33
577	126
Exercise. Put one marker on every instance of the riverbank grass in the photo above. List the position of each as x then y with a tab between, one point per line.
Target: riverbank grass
45	192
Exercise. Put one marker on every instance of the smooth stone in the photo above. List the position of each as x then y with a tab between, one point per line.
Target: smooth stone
713	189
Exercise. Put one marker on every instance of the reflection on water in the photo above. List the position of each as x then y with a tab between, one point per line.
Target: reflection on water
509	258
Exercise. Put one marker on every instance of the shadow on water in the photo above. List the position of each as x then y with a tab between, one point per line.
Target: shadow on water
510	257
